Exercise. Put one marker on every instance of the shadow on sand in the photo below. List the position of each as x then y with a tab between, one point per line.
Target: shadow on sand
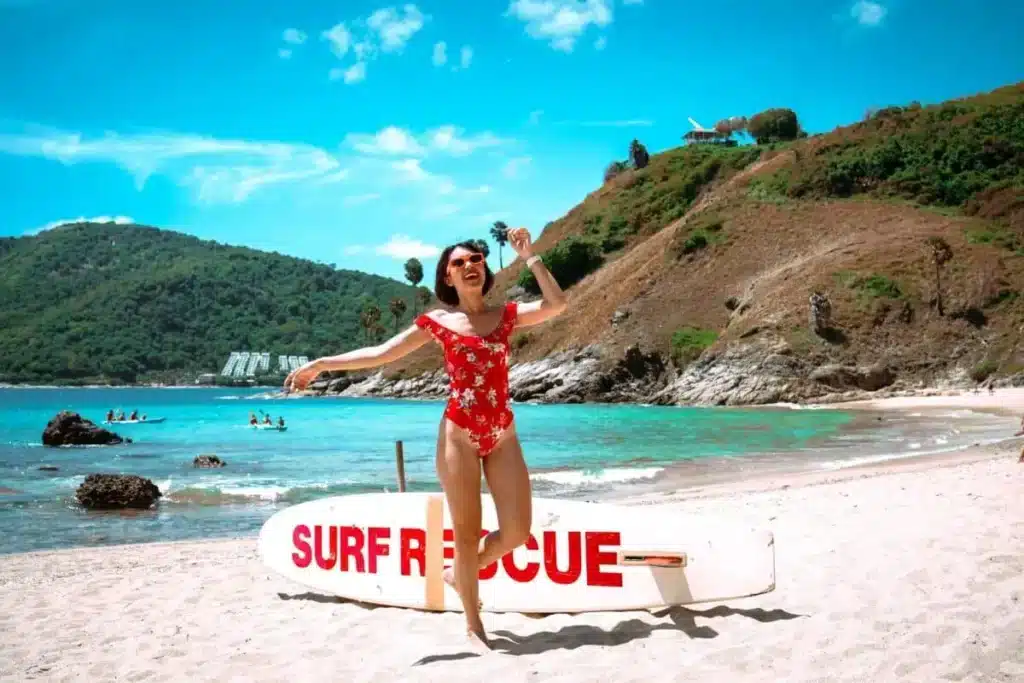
571	637
328	599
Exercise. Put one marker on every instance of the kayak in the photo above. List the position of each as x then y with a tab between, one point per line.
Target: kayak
149	420
273	428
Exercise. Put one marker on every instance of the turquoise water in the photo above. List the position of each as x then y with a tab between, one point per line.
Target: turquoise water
335	446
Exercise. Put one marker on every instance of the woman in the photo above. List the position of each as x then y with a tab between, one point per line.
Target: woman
477	426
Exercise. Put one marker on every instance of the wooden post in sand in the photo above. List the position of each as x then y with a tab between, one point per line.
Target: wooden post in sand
400	463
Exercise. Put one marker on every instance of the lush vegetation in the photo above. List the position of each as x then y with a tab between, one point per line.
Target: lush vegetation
965	153
126	303
645	200
689	342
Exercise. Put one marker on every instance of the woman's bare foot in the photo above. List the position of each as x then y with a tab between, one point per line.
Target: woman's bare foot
478	638
448	575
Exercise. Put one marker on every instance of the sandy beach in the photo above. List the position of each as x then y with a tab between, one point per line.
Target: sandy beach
907	572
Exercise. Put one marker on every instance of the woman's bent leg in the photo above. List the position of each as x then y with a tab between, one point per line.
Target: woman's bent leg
509	483
458	468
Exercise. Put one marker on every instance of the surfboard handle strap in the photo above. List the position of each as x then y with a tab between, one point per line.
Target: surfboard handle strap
651	559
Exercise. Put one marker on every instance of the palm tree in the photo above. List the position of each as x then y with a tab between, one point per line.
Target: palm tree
370	319
499	233
942	253
398	309
424	296
414	274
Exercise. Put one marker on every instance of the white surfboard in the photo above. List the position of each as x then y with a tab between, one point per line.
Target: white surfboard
390	549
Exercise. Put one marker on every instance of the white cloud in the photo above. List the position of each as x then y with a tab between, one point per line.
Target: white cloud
395	141
355	73
293	36
340	39
217	169
395	27
513	166
410	169
390	140
404	247
440	56
284	53
465	56
868	13
387	30
561	22
600	43
120	220
355	200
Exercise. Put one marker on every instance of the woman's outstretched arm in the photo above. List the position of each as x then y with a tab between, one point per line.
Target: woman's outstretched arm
402	344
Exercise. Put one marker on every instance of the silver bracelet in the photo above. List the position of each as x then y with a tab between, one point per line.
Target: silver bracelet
533	259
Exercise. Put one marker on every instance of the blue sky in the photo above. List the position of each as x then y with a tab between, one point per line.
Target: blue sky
362	133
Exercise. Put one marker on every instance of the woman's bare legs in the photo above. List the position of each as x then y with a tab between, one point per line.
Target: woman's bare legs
458	468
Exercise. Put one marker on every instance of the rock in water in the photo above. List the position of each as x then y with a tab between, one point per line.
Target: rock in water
71	429
117	491
207	461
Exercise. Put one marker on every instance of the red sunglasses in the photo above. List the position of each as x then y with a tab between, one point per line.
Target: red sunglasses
458	262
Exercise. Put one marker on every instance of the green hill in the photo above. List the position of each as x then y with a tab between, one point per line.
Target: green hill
89	303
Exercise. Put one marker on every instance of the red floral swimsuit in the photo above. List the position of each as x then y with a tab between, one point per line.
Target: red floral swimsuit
478	378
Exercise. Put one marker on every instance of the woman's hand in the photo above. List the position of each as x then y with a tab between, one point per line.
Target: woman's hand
519	238
300	377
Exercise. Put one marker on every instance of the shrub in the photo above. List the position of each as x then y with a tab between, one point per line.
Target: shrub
689	342
569	261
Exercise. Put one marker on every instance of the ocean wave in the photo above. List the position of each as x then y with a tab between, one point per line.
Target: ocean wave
614	475
916	452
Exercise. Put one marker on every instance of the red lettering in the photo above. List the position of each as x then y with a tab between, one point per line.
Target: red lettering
521	575
596	558
378	547
351	546
571	574
300	539
407	553
318	546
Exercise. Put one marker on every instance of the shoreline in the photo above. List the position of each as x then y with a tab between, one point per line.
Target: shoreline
893	573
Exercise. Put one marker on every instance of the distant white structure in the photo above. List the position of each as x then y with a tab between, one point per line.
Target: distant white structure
229	366
242	364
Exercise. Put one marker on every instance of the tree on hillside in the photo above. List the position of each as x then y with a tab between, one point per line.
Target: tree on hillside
613	169
424	296
730	126
774	125
942	253
499	233
398	308
414	274
638	155
370	320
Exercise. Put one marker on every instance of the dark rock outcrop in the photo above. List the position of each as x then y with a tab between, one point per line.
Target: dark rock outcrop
207	460
48	468
843	377
820	313
116	491
71	429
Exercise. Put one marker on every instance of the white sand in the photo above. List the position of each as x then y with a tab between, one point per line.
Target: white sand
908	573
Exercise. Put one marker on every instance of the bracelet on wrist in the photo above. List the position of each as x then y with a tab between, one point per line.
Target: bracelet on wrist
533	259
